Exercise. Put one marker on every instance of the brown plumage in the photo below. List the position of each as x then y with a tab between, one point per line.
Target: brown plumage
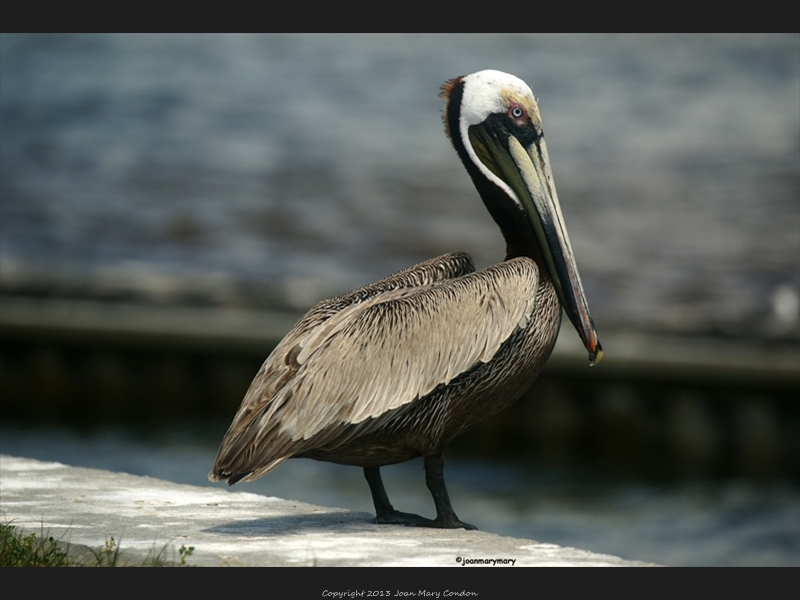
398	368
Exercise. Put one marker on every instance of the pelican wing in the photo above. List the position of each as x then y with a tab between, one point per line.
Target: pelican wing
372	356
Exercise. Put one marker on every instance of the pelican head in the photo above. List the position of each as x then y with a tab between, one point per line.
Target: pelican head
494	124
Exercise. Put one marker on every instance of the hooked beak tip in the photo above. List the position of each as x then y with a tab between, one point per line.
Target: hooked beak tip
596	355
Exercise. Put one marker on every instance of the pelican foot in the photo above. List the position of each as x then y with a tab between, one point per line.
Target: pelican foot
395	517
452	523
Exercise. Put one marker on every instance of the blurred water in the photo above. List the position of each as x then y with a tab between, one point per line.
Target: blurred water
732	523
275	170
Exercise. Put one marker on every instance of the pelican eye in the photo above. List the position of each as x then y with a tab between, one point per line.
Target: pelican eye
518	115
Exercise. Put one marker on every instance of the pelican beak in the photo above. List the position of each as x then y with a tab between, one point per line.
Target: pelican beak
525	168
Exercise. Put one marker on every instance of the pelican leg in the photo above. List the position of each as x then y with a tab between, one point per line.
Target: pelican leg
385	514
434	478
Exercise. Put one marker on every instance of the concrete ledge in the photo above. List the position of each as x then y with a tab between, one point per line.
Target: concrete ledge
146	515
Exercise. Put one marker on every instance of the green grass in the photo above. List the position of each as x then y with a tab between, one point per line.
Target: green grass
20	550
17	550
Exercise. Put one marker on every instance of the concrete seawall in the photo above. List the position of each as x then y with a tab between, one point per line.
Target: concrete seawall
145	516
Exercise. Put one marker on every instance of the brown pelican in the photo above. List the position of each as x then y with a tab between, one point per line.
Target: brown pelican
398	368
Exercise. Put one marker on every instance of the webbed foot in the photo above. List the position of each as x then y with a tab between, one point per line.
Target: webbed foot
395	517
